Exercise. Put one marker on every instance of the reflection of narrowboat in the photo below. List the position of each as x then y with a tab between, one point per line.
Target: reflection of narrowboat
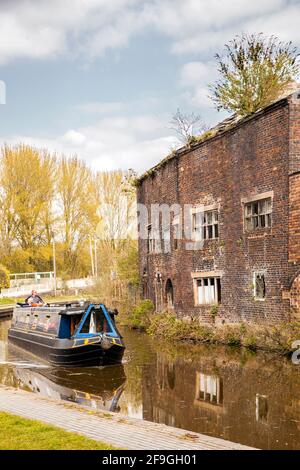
70	334
90	387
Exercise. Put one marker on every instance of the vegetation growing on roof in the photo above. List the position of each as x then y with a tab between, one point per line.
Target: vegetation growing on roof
201	138
253	72
187	126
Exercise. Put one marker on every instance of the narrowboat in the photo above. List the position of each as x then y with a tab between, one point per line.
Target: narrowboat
68	334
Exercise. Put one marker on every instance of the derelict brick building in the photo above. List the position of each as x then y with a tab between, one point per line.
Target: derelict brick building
246	174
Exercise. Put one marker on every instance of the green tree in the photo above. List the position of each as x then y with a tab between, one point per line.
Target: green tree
27	186
254	72
18	260
4	277
127	262
78	208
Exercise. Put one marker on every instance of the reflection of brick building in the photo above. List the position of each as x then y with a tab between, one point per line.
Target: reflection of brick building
247	177
255	404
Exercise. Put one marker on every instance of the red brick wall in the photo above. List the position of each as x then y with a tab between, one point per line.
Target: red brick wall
294	110
294	203
251	159
295	298
294	218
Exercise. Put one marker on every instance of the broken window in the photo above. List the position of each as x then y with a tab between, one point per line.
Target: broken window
205	225
258	214
176	231
166	239
150	240
145	283
208	290
153	240
259	286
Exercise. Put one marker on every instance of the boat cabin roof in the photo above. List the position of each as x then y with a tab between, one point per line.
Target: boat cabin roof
61	308
72	311
58	320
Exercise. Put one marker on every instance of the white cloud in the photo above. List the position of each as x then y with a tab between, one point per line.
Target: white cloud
194	78
197	26
56	28
195	72
89	28
74	138
111	143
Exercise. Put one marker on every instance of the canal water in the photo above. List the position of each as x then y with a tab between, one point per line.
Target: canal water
253	399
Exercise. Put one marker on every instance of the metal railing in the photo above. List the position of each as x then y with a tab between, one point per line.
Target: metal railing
21	279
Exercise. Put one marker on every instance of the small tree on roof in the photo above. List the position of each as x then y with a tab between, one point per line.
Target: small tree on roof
254	72
187	126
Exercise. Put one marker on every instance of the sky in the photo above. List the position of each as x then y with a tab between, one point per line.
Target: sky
102	78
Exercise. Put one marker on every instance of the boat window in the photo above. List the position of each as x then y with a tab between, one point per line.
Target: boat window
74	323
96	322
99	323
86	326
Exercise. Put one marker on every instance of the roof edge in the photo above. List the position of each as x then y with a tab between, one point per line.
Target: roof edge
227	125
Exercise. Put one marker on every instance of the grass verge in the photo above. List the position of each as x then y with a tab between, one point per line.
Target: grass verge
7	301
18	433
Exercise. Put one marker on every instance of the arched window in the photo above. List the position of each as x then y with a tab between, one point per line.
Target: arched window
169	294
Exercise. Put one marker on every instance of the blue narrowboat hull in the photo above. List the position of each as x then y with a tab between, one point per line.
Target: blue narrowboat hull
34	330
66	352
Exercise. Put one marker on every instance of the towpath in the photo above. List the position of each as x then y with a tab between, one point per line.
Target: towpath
113	428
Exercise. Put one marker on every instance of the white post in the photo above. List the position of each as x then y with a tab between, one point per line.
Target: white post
96	258
92	258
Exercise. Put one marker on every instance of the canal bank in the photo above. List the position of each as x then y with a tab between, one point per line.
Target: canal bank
276	337
112	428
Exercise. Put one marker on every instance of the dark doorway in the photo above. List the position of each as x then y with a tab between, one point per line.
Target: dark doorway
169	294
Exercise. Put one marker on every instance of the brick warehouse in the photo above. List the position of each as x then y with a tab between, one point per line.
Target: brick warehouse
246	174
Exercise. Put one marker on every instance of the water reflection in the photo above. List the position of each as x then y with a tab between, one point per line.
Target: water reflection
95	388
249	398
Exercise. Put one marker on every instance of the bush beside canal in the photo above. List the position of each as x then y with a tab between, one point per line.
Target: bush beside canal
166	325
17	433
140	316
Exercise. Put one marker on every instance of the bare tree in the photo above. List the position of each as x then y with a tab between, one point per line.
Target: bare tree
187	126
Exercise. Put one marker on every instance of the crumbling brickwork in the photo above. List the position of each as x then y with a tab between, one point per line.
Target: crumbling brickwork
257	158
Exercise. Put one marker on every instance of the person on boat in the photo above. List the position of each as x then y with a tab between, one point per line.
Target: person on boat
34	299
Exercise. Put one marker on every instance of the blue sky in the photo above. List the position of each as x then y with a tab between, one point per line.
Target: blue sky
102	78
